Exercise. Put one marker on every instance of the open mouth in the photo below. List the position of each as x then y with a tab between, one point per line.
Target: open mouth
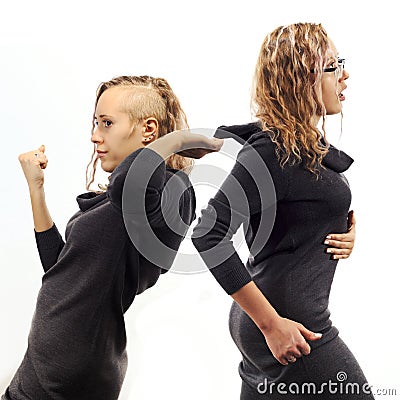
341	97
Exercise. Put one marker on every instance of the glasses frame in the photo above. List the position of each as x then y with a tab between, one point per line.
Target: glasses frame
340	66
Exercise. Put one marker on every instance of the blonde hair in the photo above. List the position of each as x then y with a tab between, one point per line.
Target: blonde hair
147	97
286	96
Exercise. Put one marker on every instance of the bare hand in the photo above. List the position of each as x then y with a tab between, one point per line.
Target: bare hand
287	340
33	163
342	243
195	145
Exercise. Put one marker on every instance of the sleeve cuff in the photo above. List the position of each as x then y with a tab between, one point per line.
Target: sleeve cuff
48	239
234	276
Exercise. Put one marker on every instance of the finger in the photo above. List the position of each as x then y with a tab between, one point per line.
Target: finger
296	352
351	227
351	220
340	256
339	252
304	348
340	237
307	334
43	164
283	360
41	160
340	244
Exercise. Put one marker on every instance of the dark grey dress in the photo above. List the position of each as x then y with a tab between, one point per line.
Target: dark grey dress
289	264
77	342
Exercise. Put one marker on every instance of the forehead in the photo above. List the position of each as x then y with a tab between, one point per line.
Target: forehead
331	51
110	101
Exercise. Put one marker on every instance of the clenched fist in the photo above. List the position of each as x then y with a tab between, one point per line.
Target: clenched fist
33	163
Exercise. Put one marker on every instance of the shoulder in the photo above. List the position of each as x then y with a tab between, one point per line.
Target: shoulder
260	145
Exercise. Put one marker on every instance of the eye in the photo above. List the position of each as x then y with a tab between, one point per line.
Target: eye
95	122
107	123
332	64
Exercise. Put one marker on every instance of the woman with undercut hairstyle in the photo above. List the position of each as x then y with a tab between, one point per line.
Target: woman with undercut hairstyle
77	341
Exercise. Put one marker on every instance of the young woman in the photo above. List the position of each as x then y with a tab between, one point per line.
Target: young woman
77	342
287	187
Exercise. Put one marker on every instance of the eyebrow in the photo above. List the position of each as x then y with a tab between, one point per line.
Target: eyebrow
104	115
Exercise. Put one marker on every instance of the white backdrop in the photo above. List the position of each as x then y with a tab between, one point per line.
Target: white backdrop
54	55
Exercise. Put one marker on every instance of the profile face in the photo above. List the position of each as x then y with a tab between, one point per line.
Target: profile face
333	83
114	134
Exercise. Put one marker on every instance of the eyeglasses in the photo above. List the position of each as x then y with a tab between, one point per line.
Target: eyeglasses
338	69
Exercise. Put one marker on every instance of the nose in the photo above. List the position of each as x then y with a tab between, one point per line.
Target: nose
345	75
96	137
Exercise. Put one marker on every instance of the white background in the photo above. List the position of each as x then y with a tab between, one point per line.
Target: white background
54	55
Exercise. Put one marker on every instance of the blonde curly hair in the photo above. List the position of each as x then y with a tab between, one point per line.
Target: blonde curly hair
147	97
286	95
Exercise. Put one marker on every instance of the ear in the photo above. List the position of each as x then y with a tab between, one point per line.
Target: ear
150	130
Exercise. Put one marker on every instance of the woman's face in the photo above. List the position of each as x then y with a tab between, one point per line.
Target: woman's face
114	133
333	83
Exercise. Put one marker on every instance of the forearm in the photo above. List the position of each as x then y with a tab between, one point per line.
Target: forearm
166	145
254	303
41	216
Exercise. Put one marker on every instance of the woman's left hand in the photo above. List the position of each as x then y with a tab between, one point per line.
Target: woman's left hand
341	244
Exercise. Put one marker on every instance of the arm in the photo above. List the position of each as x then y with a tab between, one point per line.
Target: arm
238	199
186	144
41	217
48	239
285	338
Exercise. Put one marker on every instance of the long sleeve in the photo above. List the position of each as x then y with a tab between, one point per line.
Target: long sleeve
78	328
248	196
49	244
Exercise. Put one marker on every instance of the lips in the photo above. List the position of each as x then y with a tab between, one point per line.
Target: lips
101	153
341	95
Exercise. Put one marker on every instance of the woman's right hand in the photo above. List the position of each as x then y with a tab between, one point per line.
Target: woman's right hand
33	167
287	340
196	145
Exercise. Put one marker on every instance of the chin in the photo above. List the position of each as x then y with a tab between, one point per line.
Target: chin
337	108
107	168
334	110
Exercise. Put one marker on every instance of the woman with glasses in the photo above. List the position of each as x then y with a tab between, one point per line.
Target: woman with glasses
288	189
